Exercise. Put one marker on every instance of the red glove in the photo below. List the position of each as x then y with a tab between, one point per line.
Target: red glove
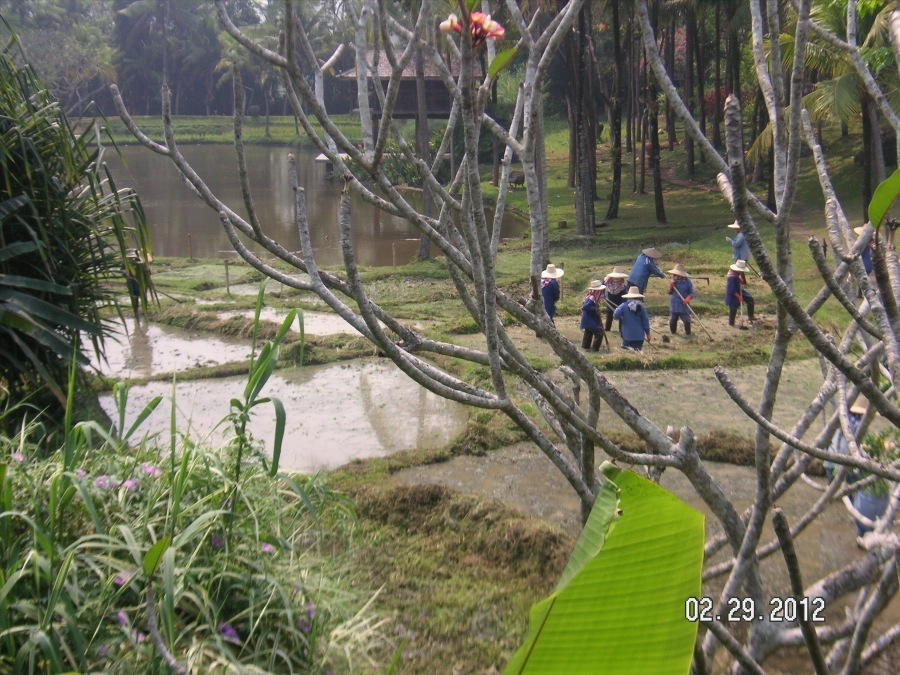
687	300
671	286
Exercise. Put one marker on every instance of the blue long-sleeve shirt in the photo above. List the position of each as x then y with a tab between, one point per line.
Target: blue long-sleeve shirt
550	293
740	249
866	257
686	288
590	315
643	269
635	320
733	289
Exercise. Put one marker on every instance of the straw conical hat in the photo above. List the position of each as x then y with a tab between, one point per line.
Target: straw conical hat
552	272
652	253
678	270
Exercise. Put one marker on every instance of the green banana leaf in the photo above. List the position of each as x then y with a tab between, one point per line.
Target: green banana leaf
619	605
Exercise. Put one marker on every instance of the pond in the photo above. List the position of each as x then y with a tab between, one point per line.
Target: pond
181	225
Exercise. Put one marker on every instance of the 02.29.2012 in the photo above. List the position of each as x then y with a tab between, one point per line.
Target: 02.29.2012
779	610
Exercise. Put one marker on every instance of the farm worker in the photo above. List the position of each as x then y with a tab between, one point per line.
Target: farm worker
635	320
590	316
681	288
866	254
645	267
839	441
740	249
550	289
735	293
615	288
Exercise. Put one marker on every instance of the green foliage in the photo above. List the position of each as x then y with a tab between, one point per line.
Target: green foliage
81	548
884	447
64	232
619	604
884	197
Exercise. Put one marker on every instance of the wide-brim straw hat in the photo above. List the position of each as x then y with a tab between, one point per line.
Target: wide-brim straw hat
740	266
652	253
617	273
633	292
552	272
860	405
679	271
596	285
734	226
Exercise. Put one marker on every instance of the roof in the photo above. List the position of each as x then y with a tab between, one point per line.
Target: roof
409	73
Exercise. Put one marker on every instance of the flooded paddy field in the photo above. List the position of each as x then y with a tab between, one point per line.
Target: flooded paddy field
335	413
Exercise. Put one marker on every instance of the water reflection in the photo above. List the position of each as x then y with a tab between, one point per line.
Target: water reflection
182	225
335	413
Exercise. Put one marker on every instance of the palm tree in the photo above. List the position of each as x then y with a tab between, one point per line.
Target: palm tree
64	231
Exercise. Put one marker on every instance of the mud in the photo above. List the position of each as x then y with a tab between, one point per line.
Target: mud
335	413
151	349
314	323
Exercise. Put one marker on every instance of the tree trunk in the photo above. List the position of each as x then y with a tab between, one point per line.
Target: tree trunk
615	116
701	75
670	68
690	37
717	79
422	148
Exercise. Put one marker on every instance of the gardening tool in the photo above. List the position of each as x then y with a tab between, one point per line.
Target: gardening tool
753	268
694	314
742	326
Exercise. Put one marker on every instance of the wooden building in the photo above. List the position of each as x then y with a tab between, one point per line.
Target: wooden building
438	101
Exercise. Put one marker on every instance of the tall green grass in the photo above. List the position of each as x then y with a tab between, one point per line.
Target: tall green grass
172	557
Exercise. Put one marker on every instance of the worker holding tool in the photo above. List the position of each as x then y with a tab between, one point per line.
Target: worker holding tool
736	295
740	249
644	268
681	288
590	317
615	288
635	320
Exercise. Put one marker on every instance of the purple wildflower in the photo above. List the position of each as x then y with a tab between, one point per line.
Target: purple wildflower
228	633
305	623
102	651
122	579
266	547
150	470
104	482
122	619
216	542
131	485
138	637
80	474
17	457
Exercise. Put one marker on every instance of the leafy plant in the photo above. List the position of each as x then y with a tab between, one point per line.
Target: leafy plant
64	231
882	446
619	604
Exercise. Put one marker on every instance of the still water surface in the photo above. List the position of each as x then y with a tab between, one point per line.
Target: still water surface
182	225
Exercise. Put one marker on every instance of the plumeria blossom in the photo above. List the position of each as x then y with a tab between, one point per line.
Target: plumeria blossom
451	25
481	25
